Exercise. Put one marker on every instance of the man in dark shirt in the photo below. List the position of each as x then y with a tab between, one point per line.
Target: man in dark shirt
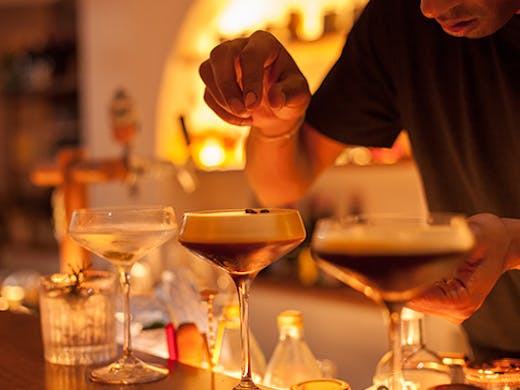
447	71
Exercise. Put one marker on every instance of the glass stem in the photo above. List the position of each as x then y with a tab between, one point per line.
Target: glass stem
124	279
394	309
243	284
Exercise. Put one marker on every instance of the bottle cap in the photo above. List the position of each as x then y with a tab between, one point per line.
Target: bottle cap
290	318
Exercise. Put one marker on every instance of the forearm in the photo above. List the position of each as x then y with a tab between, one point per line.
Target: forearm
513	255
277	167
280	169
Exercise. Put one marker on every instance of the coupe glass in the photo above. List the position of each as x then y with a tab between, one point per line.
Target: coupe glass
242	242
391	259
121	236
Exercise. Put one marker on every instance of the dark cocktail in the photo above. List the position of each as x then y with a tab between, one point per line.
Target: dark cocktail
391	259
242	242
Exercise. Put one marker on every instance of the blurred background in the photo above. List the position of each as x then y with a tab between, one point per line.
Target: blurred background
101	104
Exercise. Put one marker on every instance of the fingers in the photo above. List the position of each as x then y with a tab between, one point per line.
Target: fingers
240	71
223	113
448	299
458	298
219	73
261	51
234	73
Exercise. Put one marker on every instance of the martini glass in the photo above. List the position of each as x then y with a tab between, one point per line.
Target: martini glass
122	236
391	259
242	242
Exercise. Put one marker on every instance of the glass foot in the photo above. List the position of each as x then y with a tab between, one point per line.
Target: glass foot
246	384
128	370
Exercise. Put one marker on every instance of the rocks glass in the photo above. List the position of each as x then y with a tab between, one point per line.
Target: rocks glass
78	317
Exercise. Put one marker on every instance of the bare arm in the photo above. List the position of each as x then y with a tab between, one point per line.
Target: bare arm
281	169
254	81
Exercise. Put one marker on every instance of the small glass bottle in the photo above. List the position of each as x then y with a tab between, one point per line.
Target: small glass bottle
421	366
227	351
292	361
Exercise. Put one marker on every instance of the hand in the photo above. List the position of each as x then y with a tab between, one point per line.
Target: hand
255	81
457	298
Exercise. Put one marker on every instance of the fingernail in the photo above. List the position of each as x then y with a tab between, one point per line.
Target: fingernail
250	99
236	106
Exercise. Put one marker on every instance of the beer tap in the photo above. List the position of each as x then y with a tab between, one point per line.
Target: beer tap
71	172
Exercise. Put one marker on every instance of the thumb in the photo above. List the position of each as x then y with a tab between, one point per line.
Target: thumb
290	96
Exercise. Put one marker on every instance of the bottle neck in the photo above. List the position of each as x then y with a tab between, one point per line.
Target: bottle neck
293	332
412	332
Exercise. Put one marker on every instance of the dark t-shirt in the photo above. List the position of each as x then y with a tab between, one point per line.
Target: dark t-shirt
459	100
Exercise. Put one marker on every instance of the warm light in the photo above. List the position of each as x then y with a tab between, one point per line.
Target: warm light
361	155
202	116
4	304
13	293
212	154
238	152
312	23
209	23
204	43
240	16
140	270
343	158
142	281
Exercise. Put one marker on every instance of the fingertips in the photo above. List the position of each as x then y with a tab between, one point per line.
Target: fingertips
276	96
251	100
236	106
256	57
222	75
224	114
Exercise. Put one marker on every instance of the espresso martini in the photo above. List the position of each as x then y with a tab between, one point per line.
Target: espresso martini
394	262
242	242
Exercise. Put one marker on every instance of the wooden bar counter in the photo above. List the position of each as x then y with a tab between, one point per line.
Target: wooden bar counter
22	365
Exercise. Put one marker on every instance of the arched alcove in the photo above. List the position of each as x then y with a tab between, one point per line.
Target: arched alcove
312	30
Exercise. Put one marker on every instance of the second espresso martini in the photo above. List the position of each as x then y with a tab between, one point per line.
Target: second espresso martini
395	262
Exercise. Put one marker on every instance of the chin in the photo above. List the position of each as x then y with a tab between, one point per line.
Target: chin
474	33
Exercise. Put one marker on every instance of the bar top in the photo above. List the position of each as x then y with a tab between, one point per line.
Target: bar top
22	365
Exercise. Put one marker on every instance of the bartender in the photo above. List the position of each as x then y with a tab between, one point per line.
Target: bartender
446	71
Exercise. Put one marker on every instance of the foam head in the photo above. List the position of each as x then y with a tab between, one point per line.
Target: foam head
239	225
399	239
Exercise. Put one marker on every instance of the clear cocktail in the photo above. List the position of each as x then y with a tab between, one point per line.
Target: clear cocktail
122	236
